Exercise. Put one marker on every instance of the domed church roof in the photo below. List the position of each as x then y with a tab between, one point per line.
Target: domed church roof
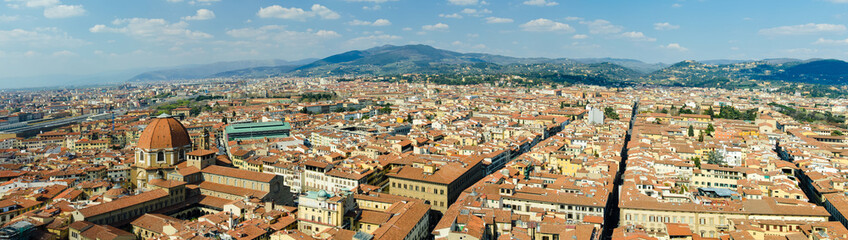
164	132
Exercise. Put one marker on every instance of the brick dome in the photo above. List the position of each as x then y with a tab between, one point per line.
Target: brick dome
164	132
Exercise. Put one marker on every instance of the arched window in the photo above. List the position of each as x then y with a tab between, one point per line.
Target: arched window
160	157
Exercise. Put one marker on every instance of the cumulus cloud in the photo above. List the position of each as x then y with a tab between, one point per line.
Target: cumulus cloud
327	34
665	26
540	3
64	11
317	10
376	23
804	29
38	38
601	26
52	8
464	2
637	36
155	29
475	12
7	18
832	41
196	2
453	15
580	36
279	33
371	1
436	27
498	20
64	53
546	25
202	14
674	46
32	3
372	40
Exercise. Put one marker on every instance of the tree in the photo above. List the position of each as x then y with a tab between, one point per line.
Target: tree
691	131
710	129
409	118
610	113
836	133
701	137
709	111
697	161
224	120
714	157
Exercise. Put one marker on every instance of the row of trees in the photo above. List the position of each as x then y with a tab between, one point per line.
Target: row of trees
802	115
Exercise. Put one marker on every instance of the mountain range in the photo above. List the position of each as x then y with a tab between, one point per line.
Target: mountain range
423	59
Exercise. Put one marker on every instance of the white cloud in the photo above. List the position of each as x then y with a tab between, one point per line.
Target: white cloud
601	26
475	12
253	40
407	29
202	2
52	8
546	25
276	11
540	3
674	46
838	1
463	2
327	34
64	53
573	18
580	36
372	40
676	5
436	27
381	22
637	36
371	1
665	26
7	18
376	23
64	11
196	2
832	41
454	15
202	14
38	38
151	29
35	3
498	20
809	28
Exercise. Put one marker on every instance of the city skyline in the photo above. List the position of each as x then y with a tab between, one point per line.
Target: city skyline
52	37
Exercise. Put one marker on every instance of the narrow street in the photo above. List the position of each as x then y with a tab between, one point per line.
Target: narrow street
611	215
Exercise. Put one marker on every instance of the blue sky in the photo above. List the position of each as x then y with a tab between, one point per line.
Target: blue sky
57	37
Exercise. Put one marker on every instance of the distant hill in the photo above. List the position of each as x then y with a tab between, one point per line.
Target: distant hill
723	61
628	63
391	60
828	71
208	70
395	60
